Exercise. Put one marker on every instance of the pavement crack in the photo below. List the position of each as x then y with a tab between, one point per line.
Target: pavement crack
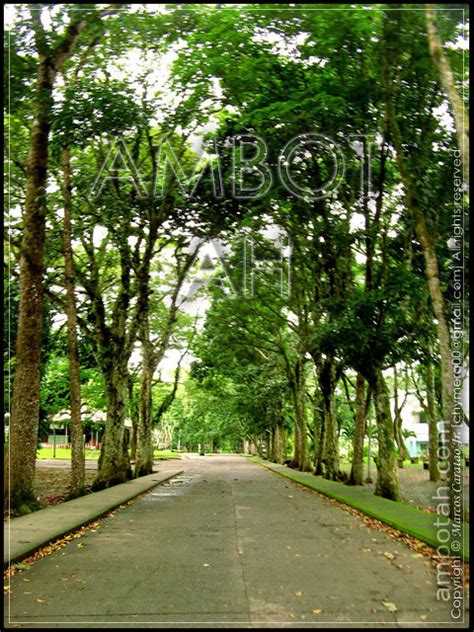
238	550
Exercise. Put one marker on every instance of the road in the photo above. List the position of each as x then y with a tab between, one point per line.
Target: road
229	544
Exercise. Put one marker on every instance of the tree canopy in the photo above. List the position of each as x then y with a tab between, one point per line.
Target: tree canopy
273	195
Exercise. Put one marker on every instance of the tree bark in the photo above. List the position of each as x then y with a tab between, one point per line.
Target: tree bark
133	416
277	435
328	382
25	400
319	438
114	463
300	457
357	469
387	483
144	462
77	439
278	454
134	440
433	424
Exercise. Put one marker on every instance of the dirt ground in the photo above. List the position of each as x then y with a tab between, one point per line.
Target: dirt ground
416	488
52	483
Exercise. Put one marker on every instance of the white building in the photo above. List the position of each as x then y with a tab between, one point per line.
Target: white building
414	419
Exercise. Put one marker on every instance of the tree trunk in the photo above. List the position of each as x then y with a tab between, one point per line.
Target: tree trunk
144	462
437	299
397	432
25	400
387	483
397	420
272	444
268	445
133	416
300	457
432	424
134	440
319	438
357	469
296	460
328	383
77	439
278	454
460	113
114	463
284	442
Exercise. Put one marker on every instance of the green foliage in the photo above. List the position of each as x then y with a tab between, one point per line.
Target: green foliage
92	109
354	289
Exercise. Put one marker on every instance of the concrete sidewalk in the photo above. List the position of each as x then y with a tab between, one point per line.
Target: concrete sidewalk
401	516
24	535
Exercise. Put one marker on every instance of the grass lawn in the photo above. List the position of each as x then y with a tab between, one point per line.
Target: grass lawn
65	453
163	455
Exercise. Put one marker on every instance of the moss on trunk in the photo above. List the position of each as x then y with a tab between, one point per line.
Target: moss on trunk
357	468
387	482
114	463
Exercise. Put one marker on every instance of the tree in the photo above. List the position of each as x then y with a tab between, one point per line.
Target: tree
155	335
460	113
418	200
362	404
52	52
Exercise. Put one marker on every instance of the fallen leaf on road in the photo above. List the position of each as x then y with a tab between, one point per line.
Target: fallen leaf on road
205	564
298	594
39	600
391	607
390	556
373	610
423	617
6	587
80	545
317	611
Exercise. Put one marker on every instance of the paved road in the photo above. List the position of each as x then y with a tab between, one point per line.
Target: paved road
228	544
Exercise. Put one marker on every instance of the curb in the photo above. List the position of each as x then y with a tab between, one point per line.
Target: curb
26	534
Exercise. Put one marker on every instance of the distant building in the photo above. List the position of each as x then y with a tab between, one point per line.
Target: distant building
414	419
